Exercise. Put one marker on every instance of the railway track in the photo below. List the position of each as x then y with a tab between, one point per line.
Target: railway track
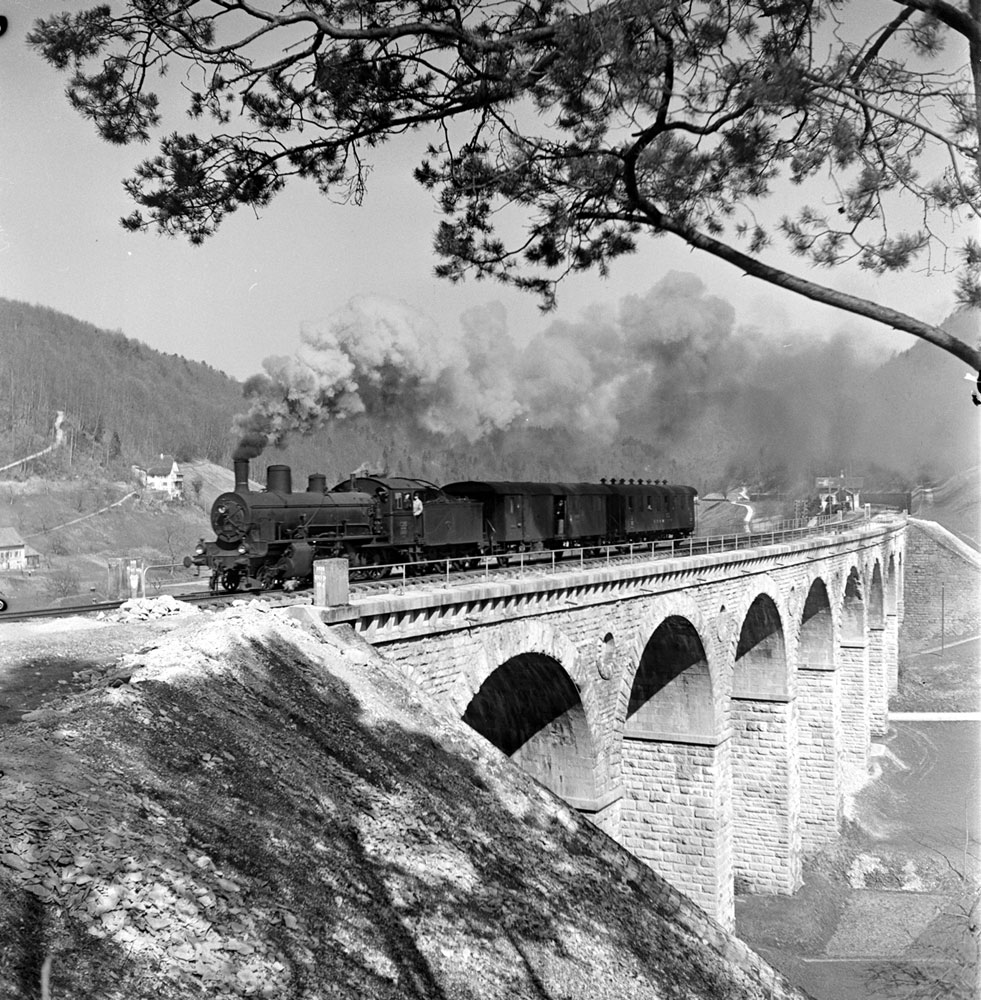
206	600
406	576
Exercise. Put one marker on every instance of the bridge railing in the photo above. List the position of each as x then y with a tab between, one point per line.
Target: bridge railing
554	560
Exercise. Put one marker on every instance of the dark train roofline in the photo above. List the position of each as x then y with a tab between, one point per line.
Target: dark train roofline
501	488
528	489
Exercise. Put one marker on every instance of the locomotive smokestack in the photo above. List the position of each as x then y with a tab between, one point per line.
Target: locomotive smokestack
241	466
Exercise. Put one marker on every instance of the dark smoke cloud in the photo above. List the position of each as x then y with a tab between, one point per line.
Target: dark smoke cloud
382	357
668	371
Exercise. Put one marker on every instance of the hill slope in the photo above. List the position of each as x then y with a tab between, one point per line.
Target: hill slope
123	400
249	809
955	503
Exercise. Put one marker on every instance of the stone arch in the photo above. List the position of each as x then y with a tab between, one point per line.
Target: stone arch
892	605
500	644
853	608
878	653
876	595
671	692
673	658
817	629
760	662
526	691
530	709
890	589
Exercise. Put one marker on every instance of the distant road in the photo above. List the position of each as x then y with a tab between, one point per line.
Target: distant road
935	716
84	517
946	646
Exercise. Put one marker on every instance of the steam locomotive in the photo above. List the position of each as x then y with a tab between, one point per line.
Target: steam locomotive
270	538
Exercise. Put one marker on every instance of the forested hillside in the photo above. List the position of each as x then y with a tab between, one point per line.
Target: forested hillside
122	400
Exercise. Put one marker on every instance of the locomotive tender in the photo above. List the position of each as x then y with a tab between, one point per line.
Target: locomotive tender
271	538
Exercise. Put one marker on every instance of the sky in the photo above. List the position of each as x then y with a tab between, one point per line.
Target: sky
251	289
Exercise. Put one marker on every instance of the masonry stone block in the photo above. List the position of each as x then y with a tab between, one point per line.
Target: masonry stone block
821	754
766	795
890	654
855	710
878	682
691	846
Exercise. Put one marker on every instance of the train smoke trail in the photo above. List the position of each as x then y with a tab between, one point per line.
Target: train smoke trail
382	357
664	377
379	357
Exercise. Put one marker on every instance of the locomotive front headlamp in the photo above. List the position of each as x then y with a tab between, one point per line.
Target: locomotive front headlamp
243	549
199	551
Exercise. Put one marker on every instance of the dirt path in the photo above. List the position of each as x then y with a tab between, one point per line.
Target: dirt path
84	517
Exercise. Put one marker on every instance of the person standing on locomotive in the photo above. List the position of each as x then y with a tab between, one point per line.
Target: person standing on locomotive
417	514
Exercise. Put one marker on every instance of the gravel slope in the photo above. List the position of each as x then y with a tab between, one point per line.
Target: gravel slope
245	808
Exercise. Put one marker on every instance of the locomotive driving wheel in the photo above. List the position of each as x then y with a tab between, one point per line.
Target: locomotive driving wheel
226	580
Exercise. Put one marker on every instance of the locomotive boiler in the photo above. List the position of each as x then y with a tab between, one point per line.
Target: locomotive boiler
265	539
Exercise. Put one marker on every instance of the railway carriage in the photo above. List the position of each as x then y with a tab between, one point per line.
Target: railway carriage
524	516
645	511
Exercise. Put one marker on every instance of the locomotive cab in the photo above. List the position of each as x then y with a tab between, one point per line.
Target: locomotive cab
417	520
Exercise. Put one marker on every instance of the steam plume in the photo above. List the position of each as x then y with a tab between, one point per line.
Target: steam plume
382	357
666	380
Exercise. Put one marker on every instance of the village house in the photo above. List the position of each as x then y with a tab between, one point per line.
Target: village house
162	475
839	493
15	554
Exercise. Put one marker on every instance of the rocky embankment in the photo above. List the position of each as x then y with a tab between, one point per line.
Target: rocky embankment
247	808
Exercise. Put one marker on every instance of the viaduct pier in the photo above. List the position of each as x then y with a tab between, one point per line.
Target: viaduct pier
703	711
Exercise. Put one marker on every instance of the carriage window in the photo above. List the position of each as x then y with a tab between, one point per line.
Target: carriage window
398	501
649	507
630	504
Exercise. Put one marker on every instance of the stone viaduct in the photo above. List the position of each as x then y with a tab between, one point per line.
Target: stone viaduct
703	711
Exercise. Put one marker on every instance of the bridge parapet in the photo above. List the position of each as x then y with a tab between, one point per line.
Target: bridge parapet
427	609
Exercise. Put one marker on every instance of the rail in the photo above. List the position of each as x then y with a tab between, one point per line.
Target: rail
552	560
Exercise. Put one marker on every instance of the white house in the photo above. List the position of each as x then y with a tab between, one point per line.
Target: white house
14	553
162	475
